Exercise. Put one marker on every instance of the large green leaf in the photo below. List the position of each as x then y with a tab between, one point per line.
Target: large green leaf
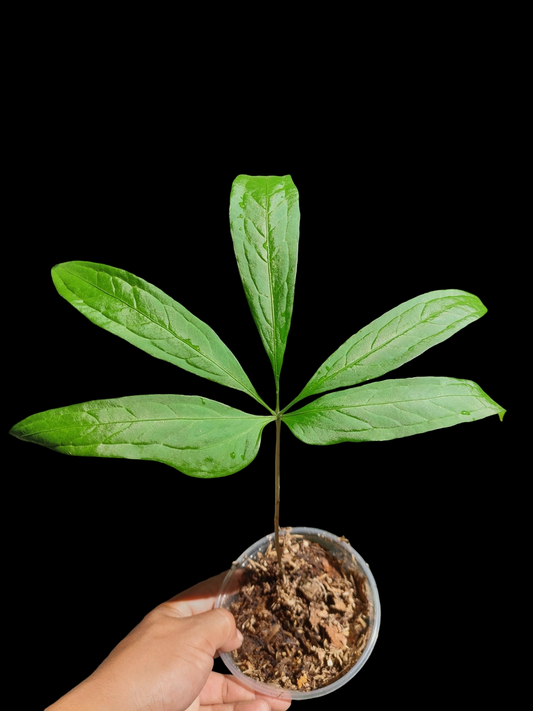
145	316
395	338
390	409
264	221
200	437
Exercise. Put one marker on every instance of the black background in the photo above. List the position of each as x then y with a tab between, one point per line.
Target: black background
392	205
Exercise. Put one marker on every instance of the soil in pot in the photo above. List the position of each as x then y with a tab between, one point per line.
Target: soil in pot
303	628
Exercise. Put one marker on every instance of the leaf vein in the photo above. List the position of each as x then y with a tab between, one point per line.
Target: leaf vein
333	373
159	325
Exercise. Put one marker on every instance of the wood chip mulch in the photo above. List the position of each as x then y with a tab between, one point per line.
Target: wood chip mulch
306	628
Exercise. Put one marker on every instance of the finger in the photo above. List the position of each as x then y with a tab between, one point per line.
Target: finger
211	631
200	597
225	689
254	705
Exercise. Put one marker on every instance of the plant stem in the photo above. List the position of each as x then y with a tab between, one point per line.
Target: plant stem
276	473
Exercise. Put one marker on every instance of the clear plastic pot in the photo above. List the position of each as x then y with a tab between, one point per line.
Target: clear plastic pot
343	551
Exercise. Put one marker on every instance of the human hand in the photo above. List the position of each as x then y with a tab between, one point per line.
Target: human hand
165	663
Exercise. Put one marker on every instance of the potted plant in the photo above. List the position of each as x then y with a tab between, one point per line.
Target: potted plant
205	438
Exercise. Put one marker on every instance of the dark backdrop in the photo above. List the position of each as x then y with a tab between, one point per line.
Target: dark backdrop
386	215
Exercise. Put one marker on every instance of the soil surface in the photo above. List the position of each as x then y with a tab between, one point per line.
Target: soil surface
306	628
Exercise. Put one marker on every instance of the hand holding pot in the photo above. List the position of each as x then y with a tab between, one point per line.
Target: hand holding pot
166	662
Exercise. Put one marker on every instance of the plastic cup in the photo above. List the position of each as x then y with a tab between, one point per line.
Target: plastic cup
349	557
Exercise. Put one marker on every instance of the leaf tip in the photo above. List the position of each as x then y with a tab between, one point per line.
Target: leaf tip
477	304
56	273
57	269
15	431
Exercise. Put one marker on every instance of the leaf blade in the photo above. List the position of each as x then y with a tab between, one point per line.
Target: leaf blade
390	409
146	317
264	223
197	436
395	338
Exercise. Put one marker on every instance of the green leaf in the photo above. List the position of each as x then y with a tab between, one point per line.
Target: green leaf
265	221
395	338
390	409
143	315
200	437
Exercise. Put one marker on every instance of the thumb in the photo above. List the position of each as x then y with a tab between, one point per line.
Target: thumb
215	630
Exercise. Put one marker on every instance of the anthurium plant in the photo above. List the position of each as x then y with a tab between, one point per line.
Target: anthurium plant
204	438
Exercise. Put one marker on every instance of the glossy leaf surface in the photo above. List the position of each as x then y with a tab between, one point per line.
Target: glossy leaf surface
395	338
145	316
200	437
390	409
265	223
